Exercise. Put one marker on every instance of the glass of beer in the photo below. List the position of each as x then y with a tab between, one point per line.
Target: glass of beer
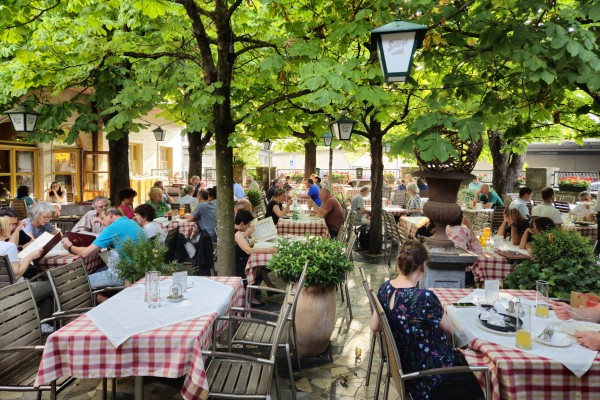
181	211
523	335
542	306
487	230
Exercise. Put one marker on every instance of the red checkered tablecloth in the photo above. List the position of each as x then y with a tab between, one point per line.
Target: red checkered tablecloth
314	226
519	375
590	231
255	260
81	350
91	263
186	228
491	266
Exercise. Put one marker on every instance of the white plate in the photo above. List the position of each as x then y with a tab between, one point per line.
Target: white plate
558	340
571	327
485	328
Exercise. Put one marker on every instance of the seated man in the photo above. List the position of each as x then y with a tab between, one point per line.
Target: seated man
331	210
358	204
521	203
242	204
117	229
90	222
547	209
313	192
238	191
490	199
206	214
584	210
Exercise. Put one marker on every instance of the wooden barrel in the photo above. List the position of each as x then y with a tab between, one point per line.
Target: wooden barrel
315	319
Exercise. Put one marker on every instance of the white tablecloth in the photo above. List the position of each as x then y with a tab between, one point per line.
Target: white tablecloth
575	357
126	314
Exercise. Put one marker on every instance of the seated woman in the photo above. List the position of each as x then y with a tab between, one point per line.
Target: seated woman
156	201
187	198
413	202
421	184
38	222
144	215
538	225
422	331
23	194
275	208
513	226
243	247
55	194
42	291
589	339
126	197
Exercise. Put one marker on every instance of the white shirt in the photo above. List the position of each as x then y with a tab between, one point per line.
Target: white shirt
521	205
584	209
9	249
152	229
549	211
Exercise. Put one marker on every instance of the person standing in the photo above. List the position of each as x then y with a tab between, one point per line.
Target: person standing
252	184
238	191
475	184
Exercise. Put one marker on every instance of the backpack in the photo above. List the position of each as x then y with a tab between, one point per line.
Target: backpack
363	238
203	261
176	250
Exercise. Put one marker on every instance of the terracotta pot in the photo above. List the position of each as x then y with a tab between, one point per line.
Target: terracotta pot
315	319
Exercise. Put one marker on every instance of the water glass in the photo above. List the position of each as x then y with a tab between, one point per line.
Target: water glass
153	289
523	335
542	307
491	289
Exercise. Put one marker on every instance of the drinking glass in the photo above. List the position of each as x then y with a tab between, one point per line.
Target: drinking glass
181	211
153	288
491	289
542	306
523	335
487	230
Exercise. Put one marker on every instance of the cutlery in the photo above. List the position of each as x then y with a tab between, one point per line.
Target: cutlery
546	334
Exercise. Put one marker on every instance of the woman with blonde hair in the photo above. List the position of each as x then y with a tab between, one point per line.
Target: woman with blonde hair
156	201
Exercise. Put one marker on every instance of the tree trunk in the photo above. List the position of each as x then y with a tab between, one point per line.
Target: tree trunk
506	165
195	151
225	228
375	232
118	160
310	158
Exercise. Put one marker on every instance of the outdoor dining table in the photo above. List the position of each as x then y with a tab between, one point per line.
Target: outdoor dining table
518	374
304	225
491	266
186	228
82	350
588	231
59	256
410	225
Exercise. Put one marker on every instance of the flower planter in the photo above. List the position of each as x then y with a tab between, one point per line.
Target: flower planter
315	319
572	188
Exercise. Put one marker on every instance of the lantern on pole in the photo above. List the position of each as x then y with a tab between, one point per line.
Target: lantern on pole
159	134
327	139
342	127
22	118
396	45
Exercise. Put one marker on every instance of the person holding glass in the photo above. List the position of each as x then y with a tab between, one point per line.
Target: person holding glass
588	339
422	331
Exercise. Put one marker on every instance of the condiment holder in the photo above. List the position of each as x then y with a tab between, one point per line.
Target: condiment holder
175	295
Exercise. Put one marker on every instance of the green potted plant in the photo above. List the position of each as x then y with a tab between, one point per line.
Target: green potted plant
327	268
564	259
138	257
255	197
574	184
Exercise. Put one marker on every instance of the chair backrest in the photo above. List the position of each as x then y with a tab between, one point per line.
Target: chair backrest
288	308
567	198
260	211
7	276
341	236
460	198
399	198
562	206
19	326
20	207
71	286
506	199
393	357
537	201
497	218
402	230
70	197
352	217
171	236
350	244
391	228
479	220
386	193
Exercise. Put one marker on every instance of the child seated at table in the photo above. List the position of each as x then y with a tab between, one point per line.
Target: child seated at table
243	247
538	225
422	331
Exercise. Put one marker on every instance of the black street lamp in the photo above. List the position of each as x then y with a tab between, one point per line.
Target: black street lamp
327	139
267	145
396	45
342	127
159	134
386	148
22	118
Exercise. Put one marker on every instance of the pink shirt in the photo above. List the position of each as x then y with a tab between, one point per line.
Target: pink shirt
127	211
464	238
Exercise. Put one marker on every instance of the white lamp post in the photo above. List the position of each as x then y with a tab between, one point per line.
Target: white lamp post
267	146
22	118
396	45
342	127
328	139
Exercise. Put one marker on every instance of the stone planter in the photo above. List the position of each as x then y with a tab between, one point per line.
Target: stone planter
315	319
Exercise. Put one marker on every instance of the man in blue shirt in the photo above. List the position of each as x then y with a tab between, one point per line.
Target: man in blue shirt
117	230
206	214
238	191
313	192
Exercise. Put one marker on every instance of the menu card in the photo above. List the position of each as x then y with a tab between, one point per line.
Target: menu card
264	229
180	278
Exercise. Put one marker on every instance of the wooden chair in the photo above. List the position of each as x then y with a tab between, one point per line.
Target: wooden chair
497	218
241	376
70	197
21	343
399	198
64	226
7	276
386	193
21	207
376	338
562	206
344	285
395	372
506	199
460	198
568	198
392	234
479	220
260	211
